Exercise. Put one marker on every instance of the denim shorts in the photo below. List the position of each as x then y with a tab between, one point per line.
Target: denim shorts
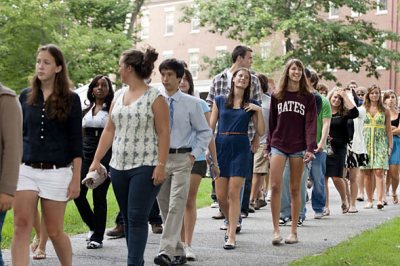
275	151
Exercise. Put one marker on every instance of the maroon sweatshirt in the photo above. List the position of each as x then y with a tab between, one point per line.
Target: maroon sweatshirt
293	123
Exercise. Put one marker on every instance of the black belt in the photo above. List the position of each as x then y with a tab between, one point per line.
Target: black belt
45	166
180	150
92	131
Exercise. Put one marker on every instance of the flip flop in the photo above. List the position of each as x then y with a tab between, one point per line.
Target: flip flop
34	244
39	254
353	210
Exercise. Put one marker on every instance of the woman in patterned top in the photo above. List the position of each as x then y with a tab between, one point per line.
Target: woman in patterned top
138	131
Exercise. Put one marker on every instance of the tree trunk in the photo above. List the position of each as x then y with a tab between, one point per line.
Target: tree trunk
137	5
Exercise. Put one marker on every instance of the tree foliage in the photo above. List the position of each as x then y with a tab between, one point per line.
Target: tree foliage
349	43
90	33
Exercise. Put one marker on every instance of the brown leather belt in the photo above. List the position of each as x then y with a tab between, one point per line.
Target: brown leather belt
45	166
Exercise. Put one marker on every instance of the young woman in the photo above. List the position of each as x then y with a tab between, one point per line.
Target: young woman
198	171
392	178
233	115
379	142
343	110
138	131
356	150
52	137
292	101
100	95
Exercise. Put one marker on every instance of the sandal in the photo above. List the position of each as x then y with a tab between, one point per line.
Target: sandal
94	245
39	254
34	244
345	209
395	199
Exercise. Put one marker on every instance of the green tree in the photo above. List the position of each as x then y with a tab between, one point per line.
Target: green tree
91	33
348	44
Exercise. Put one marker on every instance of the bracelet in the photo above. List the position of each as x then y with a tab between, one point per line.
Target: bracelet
160	163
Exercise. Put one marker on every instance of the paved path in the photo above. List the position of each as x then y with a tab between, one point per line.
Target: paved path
254	242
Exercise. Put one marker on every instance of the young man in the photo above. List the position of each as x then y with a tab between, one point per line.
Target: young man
10	150
188	127
242	57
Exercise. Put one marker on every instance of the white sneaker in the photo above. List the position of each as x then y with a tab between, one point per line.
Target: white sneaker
269	196
215	204
189	254
89	235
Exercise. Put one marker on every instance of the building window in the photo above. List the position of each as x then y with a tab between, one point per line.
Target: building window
355	14
167	54
220	51
194	65
169	21
265	49
333	11
382	7
195	25
145	24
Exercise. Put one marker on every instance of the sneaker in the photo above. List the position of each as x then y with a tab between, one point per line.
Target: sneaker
94	245
269	196
283	221
117	232
318	215
190	256
89	235
214	204
300	222
157	228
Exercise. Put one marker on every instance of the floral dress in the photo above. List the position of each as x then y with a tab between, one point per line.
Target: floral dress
376	141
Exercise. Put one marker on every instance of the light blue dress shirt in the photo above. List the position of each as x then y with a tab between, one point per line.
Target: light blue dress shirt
190	127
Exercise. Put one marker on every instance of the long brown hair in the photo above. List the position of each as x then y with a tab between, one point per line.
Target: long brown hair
367	101
387	95
246	95
305	87
58	105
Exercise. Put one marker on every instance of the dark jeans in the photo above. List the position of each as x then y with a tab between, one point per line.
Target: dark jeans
2	216
135	194
95	219
154	217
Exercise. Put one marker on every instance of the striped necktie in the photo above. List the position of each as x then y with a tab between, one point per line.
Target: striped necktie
171	112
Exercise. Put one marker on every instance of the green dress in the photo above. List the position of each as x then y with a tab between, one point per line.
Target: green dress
376	141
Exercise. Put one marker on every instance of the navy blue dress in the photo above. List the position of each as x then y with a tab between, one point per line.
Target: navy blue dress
232	142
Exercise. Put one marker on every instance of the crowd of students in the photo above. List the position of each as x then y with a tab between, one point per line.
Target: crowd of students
156	145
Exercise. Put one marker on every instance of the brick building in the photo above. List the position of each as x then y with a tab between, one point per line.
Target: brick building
189	42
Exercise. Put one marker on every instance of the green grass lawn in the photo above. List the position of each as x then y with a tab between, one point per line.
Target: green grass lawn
74	225
379	246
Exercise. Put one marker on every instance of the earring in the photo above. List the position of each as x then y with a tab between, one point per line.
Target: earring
93	94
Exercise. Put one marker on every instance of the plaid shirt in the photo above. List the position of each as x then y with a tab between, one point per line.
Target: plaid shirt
220	86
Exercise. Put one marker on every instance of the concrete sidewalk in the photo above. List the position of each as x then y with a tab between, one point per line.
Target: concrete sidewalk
253	243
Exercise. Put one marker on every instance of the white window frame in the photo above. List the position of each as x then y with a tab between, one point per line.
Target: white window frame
380	11
355	14
145	23
265	49
195	25
169	11
168	54
191	65
331	8
220	49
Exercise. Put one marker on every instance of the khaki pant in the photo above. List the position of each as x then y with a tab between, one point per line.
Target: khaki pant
172	201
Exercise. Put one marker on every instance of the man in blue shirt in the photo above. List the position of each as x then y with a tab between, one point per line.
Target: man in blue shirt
188	128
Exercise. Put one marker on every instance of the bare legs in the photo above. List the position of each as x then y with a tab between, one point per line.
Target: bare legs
25	206
354	172
257	182
392	178
190	216
228	194
369	186
276	171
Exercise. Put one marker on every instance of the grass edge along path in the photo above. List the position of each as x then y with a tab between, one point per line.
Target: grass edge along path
377	246
73	223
